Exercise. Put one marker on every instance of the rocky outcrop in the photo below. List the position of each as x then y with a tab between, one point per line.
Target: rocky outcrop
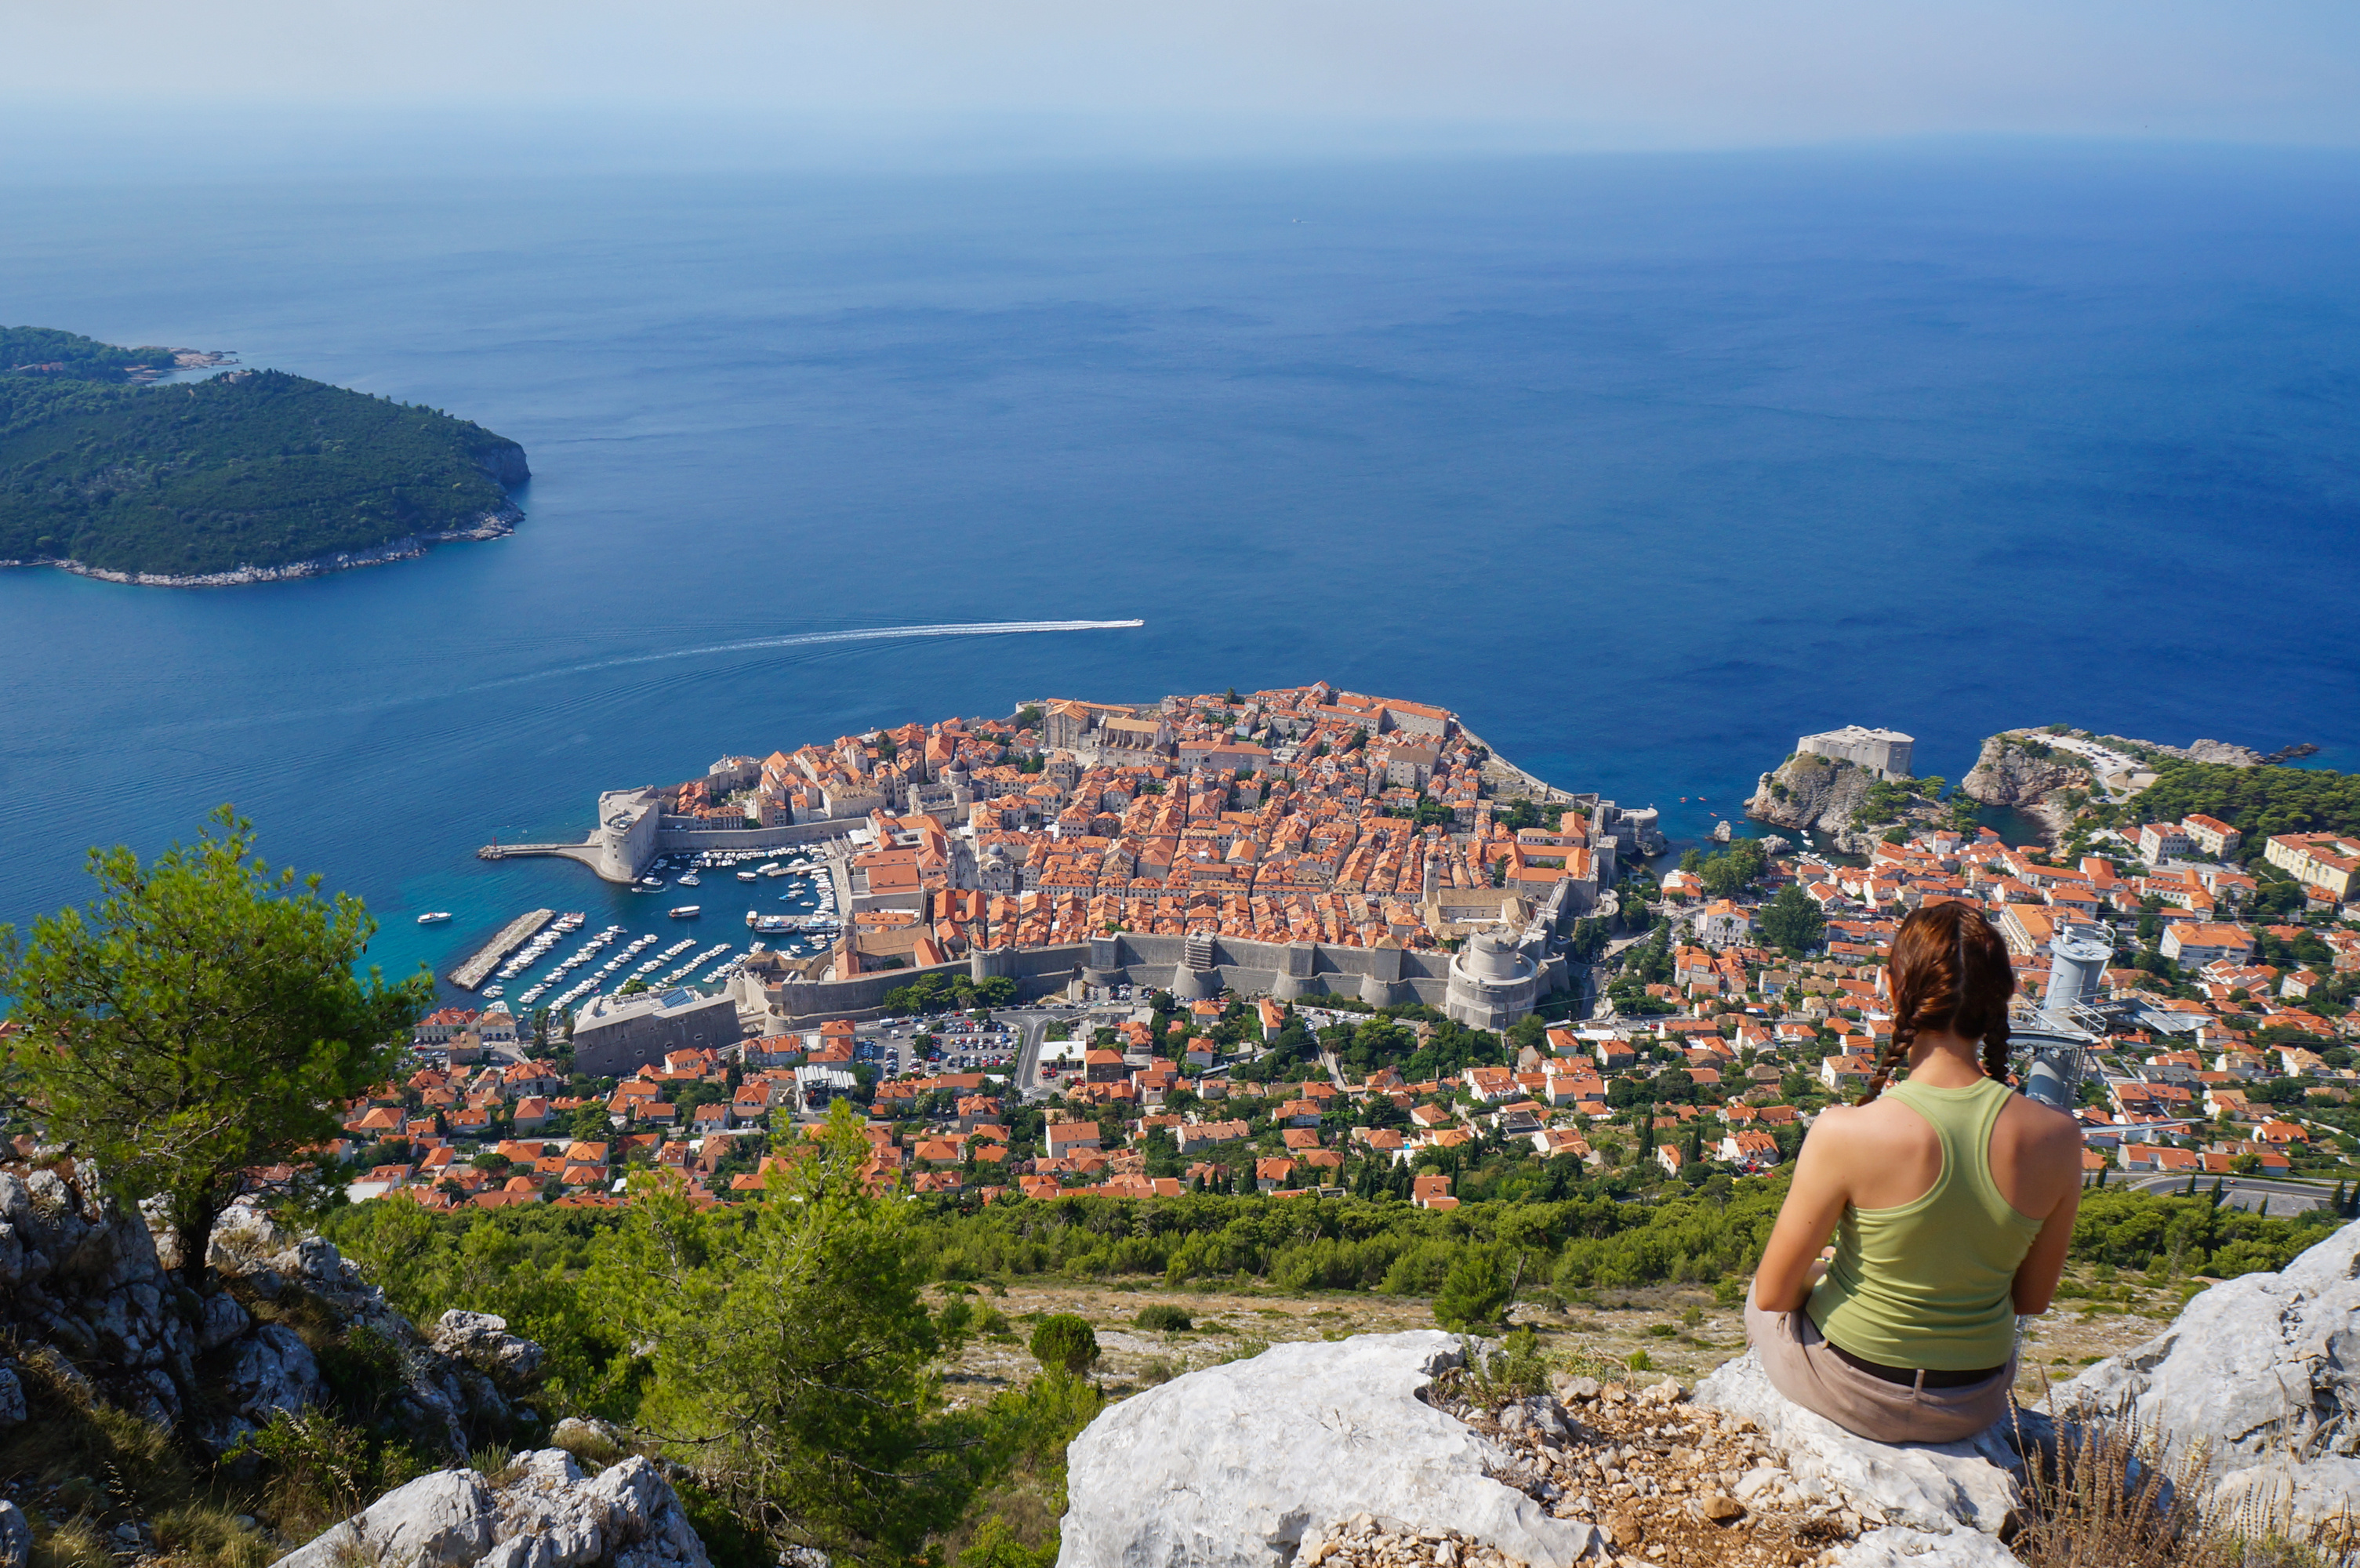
461	1383
442	1520
483	1342
2259	1375
89	1285
81	1277
503	461
2225	752
15	1537
1233	1466
1925	1503
2021	770
1809	791
548	1513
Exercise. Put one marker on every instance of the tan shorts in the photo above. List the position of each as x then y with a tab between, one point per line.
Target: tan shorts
1800	1366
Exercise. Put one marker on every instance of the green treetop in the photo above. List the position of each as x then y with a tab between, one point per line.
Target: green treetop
200	1019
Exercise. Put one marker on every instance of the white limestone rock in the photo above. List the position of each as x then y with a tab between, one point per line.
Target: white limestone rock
16	1536
2262	1372
551	1515
1898	1546
442	1520
482	1340
1937	1490
628	1514
220	1318
1227	1467
272	1370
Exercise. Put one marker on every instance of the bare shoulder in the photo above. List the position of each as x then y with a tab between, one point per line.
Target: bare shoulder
1836	1127
2044	1126
1877	1126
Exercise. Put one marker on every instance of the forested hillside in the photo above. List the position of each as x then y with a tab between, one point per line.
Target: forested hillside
252	468
2260	801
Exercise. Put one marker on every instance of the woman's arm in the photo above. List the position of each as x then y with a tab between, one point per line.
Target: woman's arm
2036	1276
1815	1202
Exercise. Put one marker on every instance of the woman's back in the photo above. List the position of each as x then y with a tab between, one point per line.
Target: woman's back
1952	1200
1929	1247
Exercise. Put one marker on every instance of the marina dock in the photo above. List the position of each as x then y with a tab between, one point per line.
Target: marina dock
513	935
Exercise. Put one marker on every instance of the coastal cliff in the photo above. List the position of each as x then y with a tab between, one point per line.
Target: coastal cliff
2017	768
1808	791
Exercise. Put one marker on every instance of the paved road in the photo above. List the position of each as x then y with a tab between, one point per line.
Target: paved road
2285	1198
1028	1055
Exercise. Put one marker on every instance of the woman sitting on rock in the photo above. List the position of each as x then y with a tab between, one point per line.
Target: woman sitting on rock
1950	1198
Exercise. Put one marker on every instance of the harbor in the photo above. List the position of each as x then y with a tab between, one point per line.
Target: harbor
513	935
783	901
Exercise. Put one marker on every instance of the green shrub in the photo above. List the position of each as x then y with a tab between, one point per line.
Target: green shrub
1474	1294
1066	1342
1163	1319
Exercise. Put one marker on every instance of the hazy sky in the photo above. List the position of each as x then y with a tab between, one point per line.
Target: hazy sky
1554	73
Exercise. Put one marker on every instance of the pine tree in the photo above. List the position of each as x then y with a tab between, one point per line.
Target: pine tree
200	1019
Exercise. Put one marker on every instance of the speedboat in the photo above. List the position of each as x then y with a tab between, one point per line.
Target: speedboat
690	880
685	911
434	918
749	877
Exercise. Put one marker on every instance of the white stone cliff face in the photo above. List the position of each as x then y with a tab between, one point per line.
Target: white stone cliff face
1227	1467
2262	1375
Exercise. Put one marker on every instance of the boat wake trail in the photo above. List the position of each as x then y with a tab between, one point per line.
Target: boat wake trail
864	634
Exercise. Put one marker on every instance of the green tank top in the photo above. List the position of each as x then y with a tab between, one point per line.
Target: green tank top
1928	1284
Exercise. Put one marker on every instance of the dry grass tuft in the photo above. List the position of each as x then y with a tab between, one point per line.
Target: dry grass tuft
76	1544
2100	1499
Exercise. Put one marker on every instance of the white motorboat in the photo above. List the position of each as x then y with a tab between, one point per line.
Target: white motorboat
685	911
748	876
434	918
690	880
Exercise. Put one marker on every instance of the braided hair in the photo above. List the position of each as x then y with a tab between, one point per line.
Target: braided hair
1949	971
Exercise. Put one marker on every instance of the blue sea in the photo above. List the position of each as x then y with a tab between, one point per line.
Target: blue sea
1646	464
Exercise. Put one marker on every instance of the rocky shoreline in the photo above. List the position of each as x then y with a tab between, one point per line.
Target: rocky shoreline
491	525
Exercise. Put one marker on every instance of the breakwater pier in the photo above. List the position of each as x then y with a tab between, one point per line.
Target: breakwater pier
486	958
